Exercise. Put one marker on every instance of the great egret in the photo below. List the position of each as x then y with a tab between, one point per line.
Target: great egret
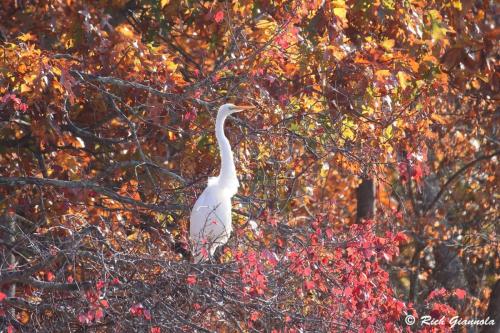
210	221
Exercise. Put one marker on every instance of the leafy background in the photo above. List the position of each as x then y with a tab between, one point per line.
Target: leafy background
369	170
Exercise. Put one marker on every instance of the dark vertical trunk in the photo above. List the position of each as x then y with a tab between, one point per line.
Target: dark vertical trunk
416	261
9	261
493	311
365	195
449	270
449	267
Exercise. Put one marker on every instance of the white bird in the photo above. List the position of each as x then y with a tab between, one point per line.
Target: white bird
210	221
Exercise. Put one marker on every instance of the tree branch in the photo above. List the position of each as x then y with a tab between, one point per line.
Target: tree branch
61	286
455	176
84	184
119	82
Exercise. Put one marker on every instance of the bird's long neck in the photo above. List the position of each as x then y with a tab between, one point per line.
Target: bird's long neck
227	175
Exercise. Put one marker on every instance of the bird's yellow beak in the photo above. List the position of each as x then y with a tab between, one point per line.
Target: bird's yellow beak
243	107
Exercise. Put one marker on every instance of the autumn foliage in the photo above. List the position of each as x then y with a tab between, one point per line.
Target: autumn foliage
369	170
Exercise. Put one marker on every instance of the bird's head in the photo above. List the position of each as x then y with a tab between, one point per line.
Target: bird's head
227	109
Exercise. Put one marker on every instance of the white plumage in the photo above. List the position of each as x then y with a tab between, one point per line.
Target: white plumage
210	221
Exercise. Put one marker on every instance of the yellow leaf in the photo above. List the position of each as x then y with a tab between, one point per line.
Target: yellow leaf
403	79
22	68
435	15
159	217
389	4
324	170
475	83
133	236
457	4
381	74
69	43
25	88
57	71
57	86
367	110
388	44
348	128
171	66
265	24
23	317
341	13
438	32
164	3
30	79
388	132
439	119
27	37
413	65
125	31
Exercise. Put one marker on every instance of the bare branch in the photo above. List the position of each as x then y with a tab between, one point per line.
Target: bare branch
84	184
455	176
127	84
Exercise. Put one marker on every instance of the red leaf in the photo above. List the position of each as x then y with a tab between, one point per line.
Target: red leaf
401	238
191	280
147	314
49	276
2	296
155	330
309	285
204	252
90	316
460	293
254	315
99	285
84	319
92	297
436	293
10	329
219	16
104	303
136	309
99	314
6	97
417	173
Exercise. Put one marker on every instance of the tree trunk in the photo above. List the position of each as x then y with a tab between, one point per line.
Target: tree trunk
493	311
450	270
365	195
9	261
449	267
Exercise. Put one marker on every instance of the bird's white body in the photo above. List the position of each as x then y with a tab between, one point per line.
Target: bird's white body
211	224
210	221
